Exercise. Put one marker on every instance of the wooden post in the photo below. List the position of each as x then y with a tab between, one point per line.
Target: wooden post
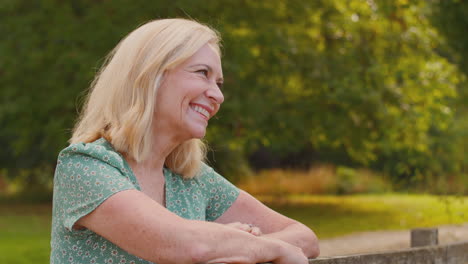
422	237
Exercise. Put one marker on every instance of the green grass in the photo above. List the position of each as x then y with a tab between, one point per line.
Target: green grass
24	233
25	229
331	216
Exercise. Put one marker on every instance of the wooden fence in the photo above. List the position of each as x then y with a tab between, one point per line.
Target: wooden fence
424	249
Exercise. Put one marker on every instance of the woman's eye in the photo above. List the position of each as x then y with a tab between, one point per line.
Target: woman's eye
204	72
220	85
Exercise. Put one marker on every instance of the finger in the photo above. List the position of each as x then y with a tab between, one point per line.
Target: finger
240	226
256	231
234	224
245	227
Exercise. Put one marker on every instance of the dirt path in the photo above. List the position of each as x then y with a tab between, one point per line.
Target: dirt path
371	242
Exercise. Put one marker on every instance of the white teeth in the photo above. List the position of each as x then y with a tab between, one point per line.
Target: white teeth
201	110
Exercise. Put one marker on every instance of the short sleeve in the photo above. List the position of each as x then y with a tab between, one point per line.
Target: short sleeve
220	193
86	175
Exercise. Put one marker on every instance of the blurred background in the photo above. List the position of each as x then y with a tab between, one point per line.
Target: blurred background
323	99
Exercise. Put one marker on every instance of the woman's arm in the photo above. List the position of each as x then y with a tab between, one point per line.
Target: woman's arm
144	228
247	209
299	235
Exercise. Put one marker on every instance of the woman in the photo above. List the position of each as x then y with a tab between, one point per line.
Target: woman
132	186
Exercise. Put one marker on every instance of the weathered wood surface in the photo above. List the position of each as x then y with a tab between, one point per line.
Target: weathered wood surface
456	253
446	254
425	251
422	237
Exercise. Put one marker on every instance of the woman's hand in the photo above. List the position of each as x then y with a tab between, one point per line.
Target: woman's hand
249	228
289	254
247	209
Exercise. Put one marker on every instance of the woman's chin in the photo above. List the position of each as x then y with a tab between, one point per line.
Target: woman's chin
196	129
198	133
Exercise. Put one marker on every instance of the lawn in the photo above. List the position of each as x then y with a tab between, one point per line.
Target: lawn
331	216
25	229
24	233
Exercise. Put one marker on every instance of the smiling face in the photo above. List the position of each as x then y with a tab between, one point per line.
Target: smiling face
189	96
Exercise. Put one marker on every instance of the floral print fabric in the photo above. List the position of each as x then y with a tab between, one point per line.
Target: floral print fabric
88	174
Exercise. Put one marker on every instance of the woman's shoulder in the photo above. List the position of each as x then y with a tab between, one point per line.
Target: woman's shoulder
205	172
99	150
220	194
207	175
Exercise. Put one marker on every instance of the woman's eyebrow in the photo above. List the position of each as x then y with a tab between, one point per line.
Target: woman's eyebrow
209	69
202	64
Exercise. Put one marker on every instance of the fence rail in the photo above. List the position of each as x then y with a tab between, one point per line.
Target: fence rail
447	254
424	250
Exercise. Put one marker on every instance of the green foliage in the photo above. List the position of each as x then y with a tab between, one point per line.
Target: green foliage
451	19
352	181
318	180
373	79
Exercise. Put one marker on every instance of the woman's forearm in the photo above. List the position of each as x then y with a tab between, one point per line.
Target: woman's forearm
142	227
300	236
219	244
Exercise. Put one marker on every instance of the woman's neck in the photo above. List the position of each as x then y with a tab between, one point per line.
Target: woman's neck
163	145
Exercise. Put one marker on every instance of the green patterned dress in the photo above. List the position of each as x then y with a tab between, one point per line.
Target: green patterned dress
88	174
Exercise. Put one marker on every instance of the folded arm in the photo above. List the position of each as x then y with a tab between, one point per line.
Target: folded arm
247	209
144	228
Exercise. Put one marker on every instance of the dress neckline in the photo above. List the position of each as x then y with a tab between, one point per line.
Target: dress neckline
166	172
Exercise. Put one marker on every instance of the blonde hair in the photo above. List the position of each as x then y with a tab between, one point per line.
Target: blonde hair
121	101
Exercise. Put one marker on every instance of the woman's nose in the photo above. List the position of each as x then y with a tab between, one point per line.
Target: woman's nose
215	94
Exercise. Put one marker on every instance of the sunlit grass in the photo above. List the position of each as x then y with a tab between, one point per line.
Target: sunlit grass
24	233
331	216
25	229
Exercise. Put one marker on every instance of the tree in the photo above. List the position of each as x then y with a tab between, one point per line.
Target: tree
368	79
